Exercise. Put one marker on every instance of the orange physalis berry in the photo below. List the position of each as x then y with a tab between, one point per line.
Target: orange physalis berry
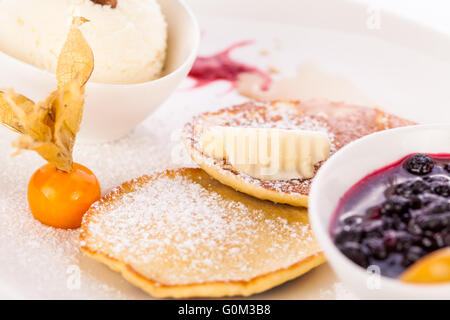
60	199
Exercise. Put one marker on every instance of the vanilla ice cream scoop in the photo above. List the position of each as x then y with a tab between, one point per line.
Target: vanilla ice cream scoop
128	37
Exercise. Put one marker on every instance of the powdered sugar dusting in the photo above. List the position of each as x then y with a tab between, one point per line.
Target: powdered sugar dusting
40	262
29	251
191	229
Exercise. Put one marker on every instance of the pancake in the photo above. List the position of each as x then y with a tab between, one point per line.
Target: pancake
341	122
183	234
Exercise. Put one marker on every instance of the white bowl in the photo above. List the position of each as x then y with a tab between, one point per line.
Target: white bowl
343	170
113	110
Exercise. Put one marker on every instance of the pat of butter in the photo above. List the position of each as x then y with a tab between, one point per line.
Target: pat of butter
267	153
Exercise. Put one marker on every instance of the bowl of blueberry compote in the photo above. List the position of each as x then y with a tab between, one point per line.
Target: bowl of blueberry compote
381	209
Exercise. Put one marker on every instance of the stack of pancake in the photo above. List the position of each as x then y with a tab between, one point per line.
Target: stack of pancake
214	231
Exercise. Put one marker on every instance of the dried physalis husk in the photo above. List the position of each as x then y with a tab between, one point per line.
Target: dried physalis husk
76	59
12	113
50	126
68	110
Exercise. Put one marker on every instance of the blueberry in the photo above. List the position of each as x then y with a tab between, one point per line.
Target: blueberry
356	252
404	241
424	200
413	254
376	247
347	233
373	228
438	240
352	220
438	206
434	222
429	243
414	228
390	239
388	222
399	224
394	223
415	203
447	167
419	186
429	233
411	187
398	240
441	188
395	205
419	164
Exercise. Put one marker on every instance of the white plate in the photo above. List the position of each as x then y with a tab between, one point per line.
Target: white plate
403	67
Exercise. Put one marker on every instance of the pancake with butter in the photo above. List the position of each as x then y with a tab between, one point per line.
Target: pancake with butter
342	124
183	234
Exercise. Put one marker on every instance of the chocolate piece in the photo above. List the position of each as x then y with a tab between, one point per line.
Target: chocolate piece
111	3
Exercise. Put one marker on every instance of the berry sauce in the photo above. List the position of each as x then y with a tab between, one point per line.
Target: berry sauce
396	215
222	67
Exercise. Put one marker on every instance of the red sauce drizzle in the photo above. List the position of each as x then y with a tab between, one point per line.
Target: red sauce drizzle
221	66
